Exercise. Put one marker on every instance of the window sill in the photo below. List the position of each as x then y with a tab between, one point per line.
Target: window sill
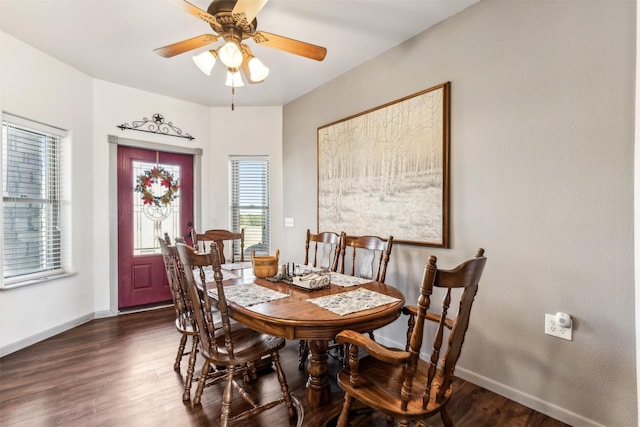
34	281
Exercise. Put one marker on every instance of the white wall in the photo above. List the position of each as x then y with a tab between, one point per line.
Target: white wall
244	131
219	132
542	131
114	105
542	177
636	200
43	89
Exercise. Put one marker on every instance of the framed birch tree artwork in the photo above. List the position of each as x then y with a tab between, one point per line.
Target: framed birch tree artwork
385	171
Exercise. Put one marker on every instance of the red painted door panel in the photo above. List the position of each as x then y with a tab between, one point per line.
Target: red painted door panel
141	276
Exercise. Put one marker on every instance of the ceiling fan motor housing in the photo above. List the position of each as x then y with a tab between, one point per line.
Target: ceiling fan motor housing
229	26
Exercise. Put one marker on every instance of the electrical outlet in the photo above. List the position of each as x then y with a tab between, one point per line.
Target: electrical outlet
551	327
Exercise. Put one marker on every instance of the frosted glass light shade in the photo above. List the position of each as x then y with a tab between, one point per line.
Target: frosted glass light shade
230	55
234	79
205	61
258	70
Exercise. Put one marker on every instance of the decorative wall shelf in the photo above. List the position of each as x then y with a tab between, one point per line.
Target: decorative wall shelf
156	125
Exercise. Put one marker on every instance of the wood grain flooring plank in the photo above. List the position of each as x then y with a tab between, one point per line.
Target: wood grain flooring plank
119	372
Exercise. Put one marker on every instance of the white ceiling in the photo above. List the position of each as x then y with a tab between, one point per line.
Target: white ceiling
113	40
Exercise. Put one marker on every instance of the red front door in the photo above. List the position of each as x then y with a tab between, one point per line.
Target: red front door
141	275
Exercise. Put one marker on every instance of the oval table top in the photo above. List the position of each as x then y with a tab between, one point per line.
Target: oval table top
296	318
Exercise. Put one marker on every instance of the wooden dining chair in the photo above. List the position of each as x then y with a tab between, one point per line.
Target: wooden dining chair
202	241
398	382
368	256
228	345
185	322
325	248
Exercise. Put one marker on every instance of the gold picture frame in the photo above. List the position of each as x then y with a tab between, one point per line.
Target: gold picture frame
385	171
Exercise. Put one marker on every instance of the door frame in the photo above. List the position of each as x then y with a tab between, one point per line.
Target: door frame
114	142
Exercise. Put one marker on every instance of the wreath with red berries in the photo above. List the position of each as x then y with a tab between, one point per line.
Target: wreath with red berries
157	175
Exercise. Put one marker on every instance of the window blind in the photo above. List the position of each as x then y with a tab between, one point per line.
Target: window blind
250	201
31	200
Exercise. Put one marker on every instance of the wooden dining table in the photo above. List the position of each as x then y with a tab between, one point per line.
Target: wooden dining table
295	318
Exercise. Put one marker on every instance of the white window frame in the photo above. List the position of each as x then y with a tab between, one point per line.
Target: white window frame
261	196
51	248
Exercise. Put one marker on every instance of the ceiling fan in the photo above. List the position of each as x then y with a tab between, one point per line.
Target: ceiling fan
234	21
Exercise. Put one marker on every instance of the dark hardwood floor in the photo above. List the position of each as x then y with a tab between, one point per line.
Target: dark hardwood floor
119	372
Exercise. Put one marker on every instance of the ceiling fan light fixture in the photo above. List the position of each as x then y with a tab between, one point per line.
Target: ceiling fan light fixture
230	54
205	61
234	79
258	70
233	21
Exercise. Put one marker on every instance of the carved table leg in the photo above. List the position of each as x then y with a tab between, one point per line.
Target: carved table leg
318	389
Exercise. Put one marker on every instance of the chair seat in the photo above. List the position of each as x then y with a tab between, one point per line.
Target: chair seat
183	322
383	373
248	346
383	388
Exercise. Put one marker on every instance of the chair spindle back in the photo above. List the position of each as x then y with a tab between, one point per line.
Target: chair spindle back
369	256
326	247
210	344
179	293
202	241
466	276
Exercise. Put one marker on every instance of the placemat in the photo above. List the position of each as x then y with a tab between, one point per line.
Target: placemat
208	274
345	280
236	265
352	301
248	294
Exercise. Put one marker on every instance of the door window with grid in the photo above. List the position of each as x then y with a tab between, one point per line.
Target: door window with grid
151	221
31	204
250	201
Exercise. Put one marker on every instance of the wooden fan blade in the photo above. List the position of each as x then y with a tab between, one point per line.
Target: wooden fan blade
186	45
248	8
195	11
286	44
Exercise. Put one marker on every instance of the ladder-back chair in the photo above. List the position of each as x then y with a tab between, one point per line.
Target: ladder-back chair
185	322
228	345
369	256
325	249
202	241
399	383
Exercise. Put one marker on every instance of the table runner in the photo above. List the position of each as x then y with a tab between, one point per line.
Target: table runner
352	301
248	294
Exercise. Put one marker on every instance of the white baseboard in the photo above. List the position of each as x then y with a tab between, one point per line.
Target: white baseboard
542	406
105	313
535	403
19	345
